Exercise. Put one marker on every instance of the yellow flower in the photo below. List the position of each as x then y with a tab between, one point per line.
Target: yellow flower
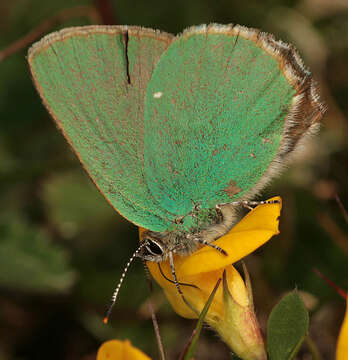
342	343
120	350
231	312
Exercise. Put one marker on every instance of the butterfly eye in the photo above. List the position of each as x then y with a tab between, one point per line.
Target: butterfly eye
153	248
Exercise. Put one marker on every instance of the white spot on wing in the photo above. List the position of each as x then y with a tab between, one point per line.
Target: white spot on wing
157	95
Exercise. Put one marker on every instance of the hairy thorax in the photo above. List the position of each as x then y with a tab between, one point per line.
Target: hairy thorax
210	224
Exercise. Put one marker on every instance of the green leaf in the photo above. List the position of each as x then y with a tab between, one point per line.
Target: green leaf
29	261
190	350
287	327
60	194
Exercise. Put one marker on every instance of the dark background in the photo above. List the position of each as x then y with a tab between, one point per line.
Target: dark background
63	248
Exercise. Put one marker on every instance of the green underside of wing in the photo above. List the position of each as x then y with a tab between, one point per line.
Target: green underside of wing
85	84
218	124
199	128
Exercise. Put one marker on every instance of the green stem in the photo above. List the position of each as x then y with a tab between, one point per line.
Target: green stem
313	348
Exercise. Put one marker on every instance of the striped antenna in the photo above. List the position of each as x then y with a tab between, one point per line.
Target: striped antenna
117	289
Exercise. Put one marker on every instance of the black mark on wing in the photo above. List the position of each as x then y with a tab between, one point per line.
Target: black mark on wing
126	39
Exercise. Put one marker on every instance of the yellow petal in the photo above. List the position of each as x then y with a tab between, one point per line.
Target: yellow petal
255	229
342	343
120	350
235	320
199	296
204	267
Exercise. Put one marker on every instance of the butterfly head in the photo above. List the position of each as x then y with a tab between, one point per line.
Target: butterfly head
158	245
155	246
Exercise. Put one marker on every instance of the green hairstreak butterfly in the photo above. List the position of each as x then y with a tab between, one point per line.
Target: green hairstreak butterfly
174	130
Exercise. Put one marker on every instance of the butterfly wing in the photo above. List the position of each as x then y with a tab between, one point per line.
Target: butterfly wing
93	81
224	107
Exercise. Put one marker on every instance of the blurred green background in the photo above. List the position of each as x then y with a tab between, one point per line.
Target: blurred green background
63	248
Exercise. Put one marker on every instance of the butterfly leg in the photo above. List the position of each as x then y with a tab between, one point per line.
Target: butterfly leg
173	282
172	267
246	206
205	242
250	204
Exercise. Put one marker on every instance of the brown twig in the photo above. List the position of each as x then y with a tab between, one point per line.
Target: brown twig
340	204
153	315
339	291
187	346
78	11
334	231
